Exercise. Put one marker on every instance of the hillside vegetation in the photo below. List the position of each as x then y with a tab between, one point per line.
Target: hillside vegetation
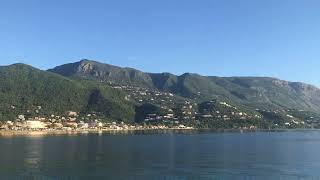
30	91
253	92
102	92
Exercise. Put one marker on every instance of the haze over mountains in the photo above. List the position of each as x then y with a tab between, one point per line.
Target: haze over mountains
126	94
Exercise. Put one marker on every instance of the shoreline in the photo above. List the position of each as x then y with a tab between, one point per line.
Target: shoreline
42	133
12	133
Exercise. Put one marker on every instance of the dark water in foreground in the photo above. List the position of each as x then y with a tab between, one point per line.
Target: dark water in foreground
206	155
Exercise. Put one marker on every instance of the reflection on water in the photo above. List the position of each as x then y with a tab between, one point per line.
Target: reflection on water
270	155
33	153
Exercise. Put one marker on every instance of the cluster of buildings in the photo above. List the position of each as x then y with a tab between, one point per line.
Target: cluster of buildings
144	95
177	108
71	123
294	123
223	111
174	109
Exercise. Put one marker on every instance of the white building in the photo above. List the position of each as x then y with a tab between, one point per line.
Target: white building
35	125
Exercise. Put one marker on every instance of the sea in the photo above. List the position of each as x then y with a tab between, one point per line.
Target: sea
285	154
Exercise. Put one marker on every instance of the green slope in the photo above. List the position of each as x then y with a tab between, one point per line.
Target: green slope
254	92
24	88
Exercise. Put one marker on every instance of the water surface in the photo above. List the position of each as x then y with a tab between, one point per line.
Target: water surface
205	155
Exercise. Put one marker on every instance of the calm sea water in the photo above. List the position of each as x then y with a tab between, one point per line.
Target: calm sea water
206	155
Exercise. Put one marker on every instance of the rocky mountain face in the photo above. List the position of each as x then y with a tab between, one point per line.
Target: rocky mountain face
253	92
92	70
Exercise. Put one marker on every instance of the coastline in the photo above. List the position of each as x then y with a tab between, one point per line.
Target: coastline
42	133
35	133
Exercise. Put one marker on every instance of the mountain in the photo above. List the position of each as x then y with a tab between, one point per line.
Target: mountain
33	92
104	92
252	92
92	70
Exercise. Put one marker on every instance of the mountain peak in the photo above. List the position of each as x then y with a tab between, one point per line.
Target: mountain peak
85	66
86	61
20	66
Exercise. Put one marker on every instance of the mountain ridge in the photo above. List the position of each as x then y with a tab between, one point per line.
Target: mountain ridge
242	90
169	73
112	93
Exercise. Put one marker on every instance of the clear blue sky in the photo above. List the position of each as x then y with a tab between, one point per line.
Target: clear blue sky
278	38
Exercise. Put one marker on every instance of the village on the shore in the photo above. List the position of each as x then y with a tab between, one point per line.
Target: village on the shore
176	113
71	123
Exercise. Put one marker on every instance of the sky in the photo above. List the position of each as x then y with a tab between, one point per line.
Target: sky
277	38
